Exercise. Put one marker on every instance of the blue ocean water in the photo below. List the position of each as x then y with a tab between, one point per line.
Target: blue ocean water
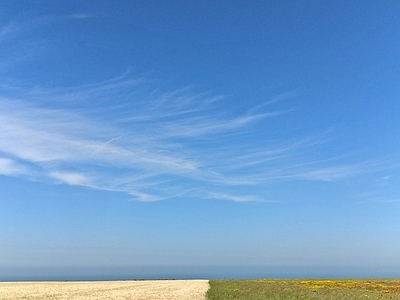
187	272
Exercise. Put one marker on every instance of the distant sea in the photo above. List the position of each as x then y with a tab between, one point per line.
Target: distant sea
188	272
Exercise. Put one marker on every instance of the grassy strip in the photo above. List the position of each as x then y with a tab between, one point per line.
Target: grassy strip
304	289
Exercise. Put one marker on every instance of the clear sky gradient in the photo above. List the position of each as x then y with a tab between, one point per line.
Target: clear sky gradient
199	138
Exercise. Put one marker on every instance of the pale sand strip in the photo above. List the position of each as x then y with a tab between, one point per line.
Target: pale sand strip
137	290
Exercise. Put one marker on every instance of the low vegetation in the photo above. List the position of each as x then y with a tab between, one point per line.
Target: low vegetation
304	289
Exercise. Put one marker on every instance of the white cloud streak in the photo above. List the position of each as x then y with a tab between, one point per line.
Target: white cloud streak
81	16
153	146
10	167
72	178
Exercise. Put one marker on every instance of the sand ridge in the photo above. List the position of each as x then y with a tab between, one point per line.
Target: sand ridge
137	290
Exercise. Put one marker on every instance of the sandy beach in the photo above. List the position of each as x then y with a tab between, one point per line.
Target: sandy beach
138	290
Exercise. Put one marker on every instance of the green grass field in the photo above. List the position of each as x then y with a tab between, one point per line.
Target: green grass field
304	289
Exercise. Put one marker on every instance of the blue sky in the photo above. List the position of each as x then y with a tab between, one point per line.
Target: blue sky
199	139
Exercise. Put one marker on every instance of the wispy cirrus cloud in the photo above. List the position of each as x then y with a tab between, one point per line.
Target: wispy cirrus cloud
235	198
82	16
122	136
10	167
72	178
378	197
332	173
